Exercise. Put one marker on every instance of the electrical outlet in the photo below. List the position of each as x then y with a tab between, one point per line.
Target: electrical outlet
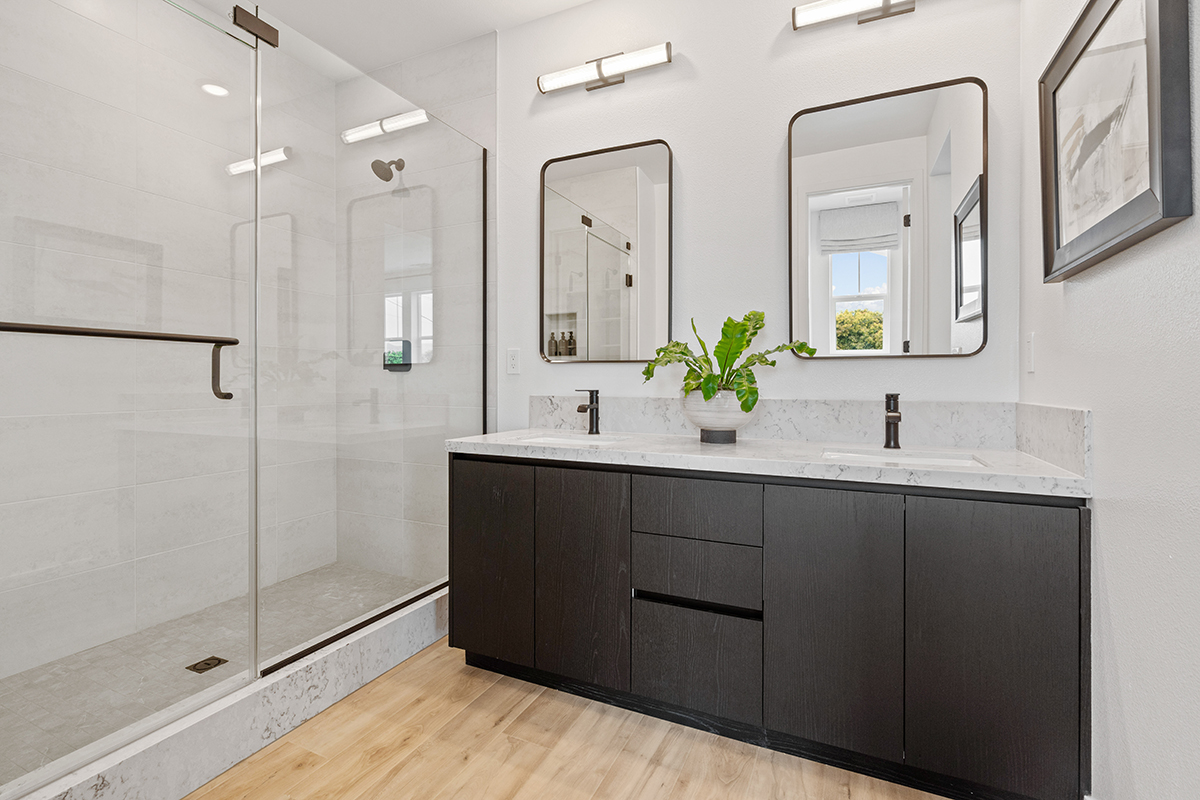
514	361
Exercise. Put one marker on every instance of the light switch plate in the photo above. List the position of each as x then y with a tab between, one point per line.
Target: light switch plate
514	361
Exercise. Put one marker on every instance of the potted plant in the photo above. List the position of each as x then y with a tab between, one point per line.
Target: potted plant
718	393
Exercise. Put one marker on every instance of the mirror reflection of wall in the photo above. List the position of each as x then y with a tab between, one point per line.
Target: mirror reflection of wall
606	254
875	186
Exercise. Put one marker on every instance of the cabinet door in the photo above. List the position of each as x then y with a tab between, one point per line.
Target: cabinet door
491	560
583	575
992	688
833	617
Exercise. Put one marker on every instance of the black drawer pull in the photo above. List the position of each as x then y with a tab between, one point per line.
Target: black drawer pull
697	605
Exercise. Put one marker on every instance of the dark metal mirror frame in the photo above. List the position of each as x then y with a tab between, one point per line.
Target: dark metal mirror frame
983	217
542	245
1169	198
964	210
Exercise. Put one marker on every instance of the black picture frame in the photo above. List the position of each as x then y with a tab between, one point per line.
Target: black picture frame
973	200
1169	197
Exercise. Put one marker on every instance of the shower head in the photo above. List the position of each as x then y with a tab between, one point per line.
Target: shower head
383	169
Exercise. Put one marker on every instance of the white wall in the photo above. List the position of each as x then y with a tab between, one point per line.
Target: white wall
724	107
1121	339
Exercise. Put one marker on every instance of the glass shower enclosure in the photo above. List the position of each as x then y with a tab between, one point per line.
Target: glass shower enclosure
232	346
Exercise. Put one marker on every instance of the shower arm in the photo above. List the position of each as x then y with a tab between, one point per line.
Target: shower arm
106	333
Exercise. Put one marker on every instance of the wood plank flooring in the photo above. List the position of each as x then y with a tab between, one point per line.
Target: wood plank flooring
436	729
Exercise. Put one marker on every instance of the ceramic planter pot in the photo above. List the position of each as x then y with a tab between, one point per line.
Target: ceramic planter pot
718	419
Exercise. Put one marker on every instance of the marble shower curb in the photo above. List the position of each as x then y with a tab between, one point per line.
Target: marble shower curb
183	756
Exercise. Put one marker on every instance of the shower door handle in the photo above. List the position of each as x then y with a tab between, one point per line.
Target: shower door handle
216	374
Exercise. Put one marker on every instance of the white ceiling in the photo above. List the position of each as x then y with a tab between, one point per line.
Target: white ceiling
375	33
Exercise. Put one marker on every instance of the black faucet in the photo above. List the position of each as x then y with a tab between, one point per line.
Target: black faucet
891	422
592	407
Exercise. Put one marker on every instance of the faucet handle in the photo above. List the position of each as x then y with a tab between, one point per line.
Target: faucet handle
591	393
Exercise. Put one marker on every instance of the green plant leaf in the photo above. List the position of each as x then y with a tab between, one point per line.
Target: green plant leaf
706	360
755	321
710	384
733	344
671	353
691	381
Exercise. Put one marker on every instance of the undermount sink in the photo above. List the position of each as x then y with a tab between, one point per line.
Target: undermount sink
902	458
573	439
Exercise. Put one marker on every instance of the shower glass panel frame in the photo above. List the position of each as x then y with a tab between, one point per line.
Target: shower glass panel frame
216	489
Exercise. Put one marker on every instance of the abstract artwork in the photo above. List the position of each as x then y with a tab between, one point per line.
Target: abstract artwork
1116	134
1103	110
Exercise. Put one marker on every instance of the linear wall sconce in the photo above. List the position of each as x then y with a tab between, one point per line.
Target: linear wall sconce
607	71
269	157
867	10
385	125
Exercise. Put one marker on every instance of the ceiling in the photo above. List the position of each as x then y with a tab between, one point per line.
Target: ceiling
375	33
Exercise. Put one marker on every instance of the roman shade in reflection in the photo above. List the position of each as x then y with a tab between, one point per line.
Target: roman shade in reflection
860	229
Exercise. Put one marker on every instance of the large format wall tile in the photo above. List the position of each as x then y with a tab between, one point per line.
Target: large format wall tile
81	611
178	582
46	286
52	456
370	487
192	442
45	40
41	122
306	544
47	375
43	540
49	207
306	489
181	513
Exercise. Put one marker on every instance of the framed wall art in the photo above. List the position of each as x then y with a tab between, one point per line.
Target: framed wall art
1116	132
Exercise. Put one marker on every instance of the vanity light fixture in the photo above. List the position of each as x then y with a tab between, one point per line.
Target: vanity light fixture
867	10
385	125
269	157
607	71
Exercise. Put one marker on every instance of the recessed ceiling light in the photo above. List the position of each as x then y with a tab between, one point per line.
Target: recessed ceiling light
215	90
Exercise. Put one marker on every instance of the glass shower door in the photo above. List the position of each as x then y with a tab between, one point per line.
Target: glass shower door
370	346
124	514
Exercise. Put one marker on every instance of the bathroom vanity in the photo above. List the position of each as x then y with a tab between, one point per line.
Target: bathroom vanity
918	617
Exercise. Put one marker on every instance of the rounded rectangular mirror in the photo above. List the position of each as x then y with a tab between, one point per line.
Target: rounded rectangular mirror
606	254
888	216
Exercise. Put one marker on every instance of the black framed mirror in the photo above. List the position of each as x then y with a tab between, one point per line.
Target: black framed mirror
880	265
606	254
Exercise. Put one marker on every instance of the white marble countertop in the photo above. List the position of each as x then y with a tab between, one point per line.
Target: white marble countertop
1007	471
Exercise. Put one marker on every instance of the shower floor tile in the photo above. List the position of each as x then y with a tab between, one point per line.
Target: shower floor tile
54	709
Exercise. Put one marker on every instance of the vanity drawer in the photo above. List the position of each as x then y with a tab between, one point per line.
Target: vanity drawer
711	572
717	511
699	660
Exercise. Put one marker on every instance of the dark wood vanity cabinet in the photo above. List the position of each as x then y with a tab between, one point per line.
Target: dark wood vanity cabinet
993	644
491	560
833	616
933	638
582	568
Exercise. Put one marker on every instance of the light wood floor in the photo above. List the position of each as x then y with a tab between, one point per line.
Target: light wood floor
434	728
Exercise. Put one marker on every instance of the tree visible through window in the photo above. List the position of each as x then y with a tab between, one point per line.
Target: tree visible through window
859	299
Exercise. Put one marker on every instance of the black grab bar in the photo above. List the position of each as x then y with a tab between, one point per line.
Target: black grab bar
106	333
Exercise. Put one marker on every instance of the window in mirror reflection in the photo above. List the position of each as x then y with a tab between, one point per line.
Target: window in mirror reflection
860	300
408	298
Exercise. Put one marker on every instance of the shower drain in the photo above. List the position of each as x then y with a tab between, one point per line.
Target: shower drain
208	663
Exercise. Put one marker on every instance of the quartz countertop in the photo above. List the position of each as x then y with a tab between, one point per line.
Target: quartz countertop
1002	471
